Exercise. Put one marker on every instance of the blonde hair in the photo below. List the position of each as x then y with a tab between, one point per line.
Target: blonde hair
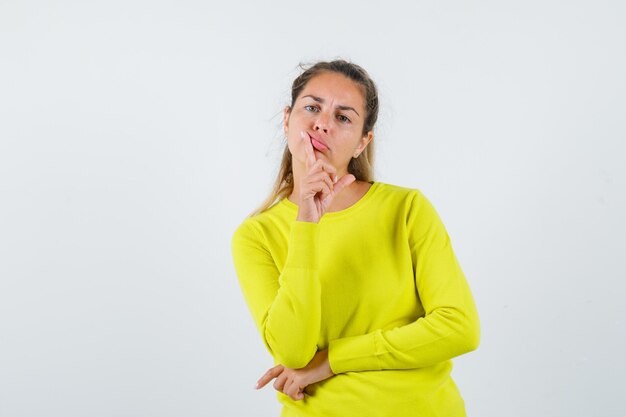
361	167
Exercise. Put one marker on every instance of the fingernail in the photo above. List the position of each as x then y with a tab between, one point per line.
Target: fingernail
334	178
256	386
302	135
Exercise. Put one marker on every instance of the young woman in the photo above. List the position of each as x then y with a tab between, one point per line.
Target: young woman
352	283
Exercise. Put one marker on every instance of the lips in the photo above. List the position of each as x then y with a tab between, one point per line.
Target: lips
318	144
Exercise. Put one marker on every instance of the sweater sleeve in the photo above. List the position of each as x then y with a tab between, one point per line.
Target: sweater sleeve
450	325
285	305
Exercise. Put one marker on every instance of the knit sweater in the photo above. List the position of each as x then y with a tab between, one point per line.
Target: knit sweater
378	285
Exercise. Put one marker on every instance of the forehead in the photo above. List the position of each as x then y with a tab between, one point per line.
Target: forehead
336	87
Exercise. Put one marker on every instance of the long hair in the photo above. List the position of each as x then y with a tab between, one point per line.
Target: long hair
361	167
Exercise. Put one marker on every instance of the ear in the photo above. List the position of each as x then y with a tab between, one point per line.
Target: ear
365	140
286	113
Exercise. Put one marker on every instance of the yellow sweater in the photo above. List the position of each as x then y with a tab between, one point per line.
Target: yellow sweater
377	284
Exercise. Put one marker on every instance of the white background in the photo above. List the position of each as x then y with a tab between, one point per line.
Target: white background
136	135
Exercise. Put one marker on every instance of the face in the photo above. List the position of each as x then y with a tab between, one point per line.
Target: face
330	110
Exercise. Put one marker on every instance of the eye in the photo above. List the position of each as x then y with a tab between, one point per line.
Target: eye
341	117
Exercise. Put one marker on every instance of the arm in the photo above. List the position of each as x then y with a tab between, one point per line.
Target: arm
450	326
286	305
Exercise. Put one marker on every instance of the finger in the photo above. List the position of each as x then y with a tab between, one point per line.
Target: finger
321	177
343	182
293	389
309	160
268	376
321	165
317	187
317	174
321	184
300	393
297	395
288	388
310	187
308	150
328	190
279	383
264	380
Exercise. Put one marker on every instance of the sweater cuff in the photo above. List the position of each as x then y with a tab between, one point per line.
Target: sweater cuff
302	246
355	353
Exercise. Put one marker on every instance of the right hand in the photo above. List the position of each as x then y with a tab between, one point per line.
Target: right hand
293	382
319	185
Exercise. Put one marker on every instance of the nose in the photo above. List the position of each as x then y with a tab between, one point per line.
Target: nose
322	122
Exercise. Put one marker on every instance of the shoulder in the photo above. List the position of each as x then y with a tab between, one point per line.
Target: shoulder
398	194
410	203
257	227
247	232
395	190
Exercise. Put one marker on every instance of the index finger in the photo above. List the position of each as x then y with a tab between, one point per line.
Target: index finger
308	150
268	376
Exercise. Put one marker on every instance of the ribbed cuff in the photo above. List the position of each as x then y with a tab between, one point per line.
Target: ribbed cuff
302	246
355	353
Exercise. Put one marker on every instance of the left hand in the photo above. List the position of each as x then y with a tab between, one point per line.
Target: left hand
292	382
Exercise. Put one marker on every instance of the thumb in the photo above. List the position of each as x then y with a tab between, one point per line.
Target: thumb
343	182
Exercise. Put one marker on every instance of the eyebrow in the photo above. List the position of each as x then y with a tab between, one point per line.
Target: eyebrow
340	107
